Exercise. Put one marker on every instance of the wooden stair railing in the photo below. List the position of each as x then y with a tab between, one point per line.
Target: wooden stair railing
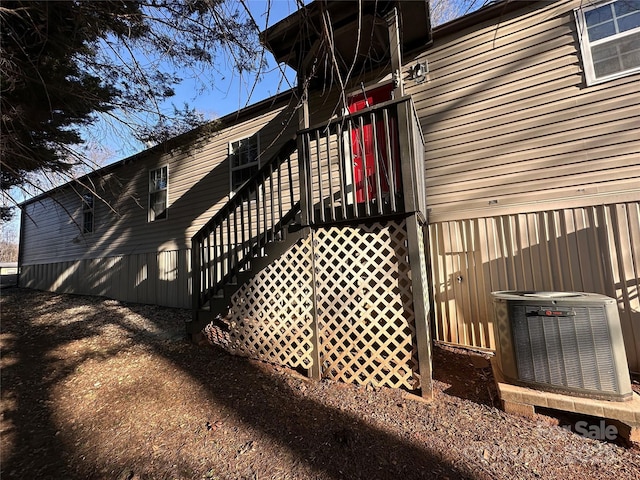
388	139
259	213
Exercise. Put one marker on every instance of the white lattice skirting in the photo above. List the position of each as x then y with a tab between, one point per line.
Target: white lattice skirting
363	302
364	305
271	316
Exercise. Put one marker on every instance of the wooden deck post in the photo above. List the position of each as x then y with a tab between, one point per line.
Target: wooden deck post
417	251
196	270
417	260
303	122
396	54
315	371
413	192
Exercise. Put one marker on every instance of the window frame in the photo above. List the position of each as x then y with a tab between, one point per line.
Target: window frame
88	208
586	45
151	215
232	169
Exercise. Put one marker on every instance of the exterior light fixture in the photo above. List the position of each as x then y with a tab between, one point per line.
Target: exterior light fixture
419	71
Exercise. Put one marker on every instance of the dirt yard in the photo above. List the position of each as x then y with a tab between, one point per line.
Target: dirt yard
97	389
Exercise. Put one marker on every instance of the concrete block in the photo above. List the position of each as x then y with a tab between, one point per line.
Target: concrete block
561	403
623	414
535	398
516	408
589	407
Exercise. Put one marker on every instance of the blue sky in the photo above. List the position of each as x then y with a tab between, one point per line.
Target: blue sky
232	92
227	93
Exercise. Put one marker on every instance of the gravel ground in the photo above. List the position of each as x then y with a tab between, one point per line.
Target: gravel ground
95	388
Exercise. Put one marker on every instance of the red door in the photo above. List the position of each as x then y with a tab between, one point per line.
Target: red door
363	146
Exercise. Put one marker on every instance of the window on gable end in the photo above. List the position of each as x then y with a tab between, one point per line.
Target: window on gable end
609	34
158	193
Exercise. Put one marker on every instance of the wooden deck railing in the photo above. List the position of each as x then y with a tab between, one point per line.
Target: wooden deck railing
362	166
257	214
359	166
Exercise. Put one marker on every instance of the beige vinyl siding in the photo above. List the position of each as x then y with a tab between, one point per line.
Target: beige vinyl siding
52	228
198	187
509	121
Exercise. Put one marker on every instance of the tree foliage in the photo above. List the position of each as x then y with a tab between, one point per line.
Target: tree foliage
65	63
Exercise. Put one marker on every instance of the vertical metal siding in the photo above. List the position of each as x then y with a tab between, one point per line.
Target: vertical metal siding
590	249
162	278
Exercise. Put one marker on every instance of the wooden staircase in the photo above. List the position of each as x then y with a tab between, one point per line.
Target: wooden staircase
258	224
218	305
320	267
274	209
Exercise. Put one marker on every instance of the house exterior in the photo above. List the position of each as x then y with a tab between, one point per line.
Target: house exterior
123	247
505	155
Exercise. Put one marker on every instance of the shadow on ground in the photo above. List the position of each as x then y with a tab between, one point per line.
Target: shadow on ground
465	375
47	341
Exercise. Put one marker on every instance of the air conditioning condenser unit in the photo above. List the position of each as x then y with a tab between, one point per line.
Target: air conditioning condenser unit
564	342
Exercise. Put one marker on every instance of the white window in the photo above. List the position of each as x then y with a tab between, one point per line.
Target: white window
87	212
610	39
243	161
158	193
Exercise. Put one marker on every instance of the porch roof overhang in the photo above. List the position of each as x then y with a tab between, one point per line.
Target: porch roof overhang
360	40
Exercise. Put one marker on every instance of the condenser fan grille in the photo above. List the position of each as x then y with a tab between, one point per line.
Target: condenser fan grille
570	349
